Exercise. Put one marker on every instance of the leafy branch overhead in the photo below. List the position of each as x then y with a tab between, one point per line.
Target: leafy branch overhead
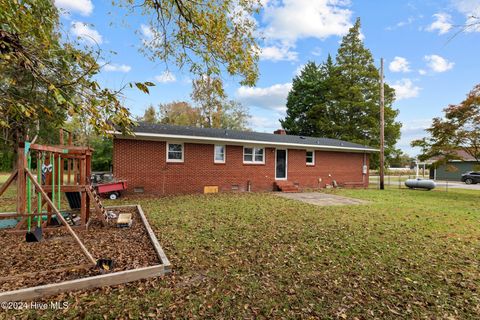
46	78
207	36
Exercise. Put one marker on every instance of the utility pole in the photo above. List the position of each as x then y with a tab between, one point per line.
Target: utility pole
382	128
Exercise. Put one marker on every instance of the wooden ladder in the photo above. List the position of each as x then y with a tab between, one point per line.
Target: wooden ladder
101	211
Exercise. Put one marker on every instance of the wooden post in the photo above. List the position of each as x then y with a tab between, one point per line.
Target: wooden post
83	199
382	128
88	173
62	168
61	137
69	171
61	218
21	181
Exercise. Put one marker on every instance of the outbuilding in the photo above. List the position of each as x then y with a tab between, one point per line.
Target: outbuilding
168	160
452	170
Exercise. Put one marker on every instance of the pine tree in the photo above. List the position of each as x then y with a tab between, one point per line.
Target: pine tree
303	96
341	100
358	95
328	120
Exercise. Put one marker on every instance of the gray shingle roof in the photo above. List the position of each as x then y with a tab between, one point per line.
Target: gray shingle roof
213	133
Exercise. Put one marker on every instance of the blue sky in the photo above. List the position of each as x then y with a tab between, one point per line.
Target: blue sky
428	68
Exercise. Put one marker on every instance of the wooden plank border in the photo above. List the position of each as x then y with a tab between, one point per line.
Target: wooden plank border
158	248
109	279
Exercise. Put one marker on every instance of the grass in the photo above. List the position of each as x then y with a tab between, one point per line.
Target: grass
410	254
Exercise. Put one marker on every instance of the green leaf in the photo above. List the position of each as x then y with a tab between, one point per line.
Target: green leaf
142	87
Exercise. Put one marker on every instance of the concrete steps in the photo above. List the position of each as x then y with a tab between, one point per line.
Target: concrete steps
286	186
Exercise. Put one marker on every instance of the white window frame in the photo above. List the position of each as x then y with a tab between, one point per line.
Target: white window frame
253	155
313	158
183	152
215	153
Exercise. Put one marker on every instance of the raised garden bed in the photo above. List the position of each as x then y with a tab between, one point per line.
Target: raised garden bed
56	264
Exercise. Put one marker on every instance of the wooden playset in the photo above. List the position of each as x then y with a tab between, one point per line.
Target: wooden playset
66	169
61	168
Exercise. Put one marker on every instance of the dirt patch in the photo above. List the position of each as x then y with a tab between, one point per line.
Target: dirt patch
58	257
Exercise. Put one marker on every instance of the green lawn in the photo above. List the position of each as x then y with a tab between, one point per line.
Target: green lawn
409	254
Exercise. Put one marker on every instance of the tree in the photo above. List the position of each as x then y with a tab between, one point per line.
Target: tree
399	159
46	78
341	100
86	136
150	115
305	94
234	116
357	95
208	36
179	113
459	129
208	94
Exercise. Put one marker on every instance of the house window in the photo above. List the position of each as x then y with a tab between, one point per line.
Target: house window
310	158
253	155
174	152
219	154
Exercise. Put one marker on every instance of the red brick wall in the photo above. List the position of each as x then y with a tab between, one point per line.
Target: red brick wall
143	164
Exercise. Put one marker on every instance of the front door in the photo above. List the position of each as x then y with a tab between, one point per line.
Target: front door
281	164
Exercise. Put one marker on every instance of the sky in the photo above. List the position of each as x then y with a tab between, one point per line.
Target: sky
429	61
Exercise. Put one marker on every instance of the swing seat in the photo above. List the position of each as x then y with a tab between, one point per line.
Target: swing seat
35	236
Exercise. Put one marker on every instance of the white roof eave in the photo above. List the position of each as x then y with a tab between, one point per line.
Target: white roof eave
197	139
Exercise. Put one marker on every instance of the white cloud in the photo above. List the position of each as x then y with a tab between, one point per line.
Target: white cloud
438	64
166	77
317	51
278	53
416	126
442	23
399	64
401	24
422	72
405	89
291	20
147	32
273	97
412	130
84	7
117	68
86	33
298	70
266	124
470	8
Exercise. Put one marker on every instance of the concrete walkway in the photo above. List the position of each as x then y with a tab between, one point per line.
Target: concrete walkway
320	199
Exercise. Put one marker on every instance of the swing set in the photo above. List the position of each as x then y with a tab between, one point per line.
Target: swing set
63	168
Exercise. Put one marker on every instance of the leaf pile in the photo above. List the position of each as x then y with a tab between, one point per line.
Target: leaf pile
58	257
405	254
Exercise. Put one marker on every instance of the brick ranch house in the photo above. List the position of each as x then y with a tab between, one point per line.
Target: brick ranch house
168	160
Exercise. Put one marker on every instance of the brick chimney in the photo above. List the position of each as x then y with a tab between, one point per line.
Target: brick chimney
280	131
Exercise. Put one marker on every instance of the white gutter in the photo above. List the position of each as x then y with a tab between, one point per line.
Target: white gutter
239	141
